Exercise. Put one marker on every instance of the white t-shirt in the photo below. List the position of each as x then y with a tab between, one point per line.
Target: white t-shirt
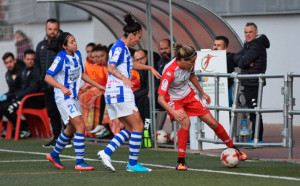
67	70
116	92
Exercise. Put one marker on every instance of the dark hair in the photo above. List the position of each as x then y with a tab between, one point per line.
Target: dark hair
7	55
184	51
252	24
168	40
145	51
91	44
63	39
51	20
21	33
131	25
223	38
100	47
29	51
109	46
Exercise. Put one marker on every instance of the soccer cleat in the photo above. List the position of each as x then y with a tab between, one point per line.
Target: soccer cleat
83	166
50	144
181	166
55	161
137	168
25	133
102	134
98	128
106	161
69	145
243	156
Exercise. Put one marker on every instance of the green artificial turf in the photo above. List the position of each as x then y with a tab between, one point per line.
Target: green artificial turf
32	169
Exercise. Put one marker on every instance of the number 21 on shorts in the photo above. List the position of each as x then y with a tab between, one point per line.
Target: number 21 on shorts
72	107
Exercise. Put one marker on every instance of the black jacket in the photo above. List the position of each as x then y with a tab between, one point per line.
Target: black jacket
14	81
44	56
230	67
144	87
256	52
30	83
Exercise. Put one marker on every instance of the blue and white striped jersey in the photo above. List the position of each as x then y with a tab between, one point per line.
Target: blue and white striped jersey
115	91
67	70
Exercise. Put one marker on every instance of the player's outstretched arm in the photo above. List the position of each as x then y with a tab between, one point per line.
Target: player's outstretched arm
89	80
139	66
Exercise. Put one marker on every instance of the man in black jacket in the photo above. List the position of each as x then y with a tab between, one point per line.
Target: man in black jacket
21	82
252	59
46	51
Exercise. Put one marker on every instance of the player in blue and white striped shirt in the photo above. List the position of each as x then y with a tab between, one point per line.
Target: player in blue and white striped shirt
64	75
120	99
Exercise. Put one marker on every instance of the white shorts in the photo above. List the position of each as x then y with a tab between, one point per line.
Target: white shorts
69	108
117	110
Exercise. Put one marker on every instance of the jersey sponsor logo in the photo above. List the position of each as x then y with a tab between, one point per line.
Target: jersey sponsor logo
116	55
184	80
74	74
55	63
164	85
171	104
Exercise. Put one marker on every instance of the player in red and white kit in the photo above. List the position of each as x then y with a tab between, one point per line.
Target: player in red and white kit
181	101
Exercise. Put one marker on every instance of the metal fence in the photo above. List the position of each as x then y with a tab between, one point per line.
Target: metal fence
287	109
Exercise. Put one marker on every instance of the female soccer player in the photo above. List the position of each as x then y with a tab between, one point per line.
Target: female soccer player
64	75
120	99
181	101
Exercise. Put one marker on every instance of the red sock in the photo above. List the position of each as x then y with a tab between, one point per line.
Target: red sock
183	137
222	134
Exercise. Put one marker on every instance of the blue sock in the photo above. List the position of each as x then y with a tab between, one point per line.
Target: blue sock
61	142
79	147
117	141
134	147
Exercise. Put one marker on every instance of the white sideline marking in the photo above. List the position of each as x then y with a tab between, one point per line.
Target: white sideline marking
164	166
14	161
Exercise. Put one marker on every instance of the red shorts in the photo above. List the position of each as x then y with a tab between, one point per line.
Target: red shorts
191	104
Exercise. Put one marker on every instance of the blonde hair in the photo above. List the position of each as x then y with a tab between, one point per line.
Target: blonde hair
184	51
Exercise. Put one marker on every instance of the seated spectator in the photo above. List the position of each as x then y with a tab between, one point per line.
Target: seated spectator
142	94
21	82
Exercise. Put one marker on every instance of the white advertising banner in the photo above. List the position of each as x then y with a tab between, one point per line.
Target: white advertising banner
211	62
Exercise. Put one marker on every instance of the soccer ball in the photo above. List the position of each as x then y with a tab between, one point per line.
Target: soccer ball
162	136
230	157
172	135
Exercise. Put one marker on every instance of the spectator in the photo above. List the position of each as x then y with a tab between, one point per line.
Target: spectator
96	103
165	53
46	51
222	43
89	64
29	85
22	43
252	59
13	78
142	94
